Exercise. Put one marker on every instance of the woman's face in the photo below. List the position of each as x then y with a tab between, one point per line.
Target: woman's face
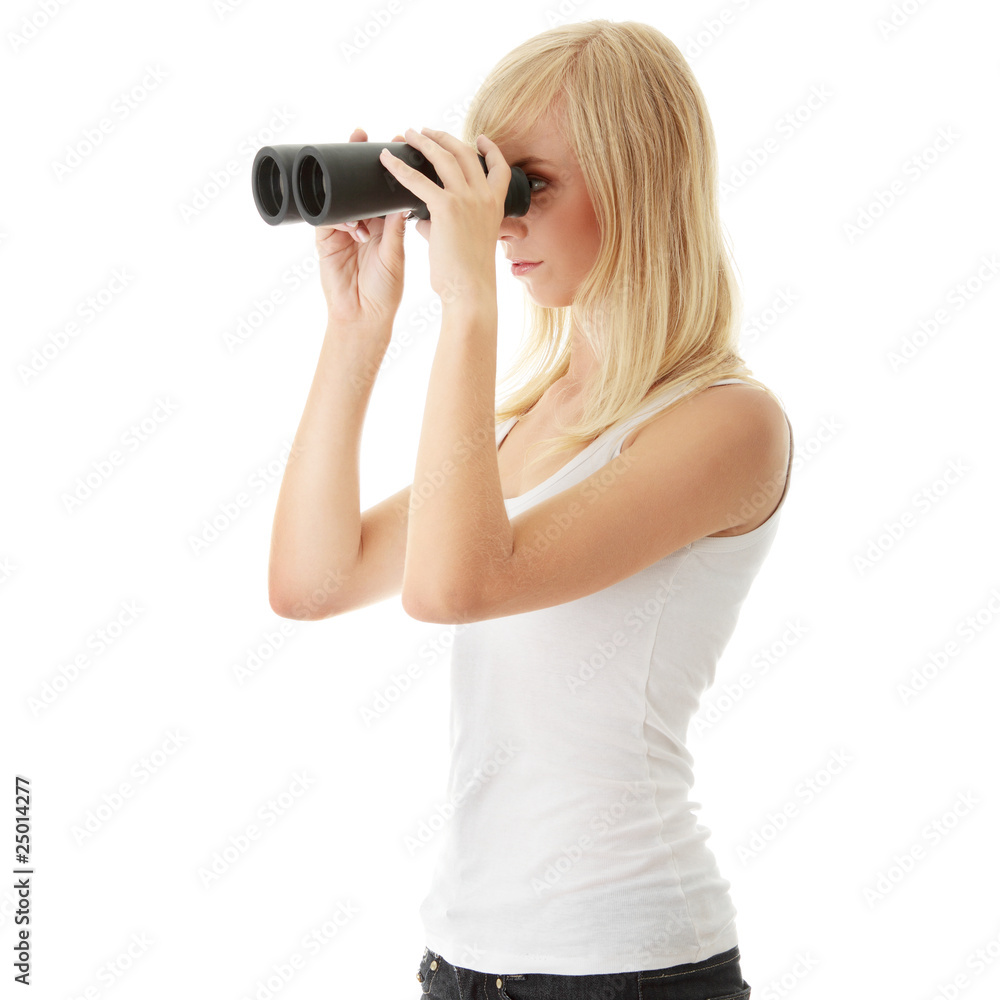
561	228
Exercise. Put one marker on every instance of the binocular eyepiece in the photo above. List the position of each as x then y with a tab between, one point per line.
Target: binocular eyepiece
346	181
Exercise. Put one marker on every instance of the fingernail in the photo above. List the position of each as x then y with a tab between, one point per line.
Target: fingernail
363	236
351	225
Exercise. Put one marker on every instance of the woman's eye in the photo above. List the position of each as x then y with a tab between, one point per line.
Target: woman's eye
532	179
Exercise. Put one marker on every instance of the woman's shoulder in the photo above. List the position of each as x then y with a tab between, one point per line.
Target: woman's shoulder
723	408
726	402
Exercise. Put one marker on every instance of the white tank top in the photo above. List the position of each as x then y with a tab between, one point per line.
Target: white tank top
572	847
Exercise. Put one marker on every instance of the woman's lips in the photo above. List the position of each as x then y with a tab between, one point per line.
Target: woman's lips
523	268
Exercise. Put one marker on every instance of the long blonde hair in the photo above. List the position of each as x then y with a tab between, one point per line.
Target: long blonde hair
660	307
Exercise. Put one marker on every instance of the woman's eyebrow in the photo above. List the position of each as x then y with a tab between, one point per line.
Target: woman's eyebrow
532	159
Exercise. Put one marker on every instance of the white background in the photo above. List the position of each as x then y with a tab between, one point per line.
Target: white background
849	608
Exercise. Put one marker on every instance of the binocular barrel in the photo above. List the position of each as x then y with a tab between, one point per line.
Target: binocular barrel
346	181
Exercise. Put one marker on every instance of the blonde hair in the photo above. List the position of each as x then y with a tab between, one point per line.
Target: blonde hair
660	307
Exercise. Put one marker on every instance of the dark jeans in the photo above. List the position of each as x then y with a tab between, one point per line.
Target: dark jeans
715	978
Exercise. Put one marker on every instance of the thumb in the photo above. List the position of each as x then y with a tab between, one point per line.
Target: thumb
395	224
392	234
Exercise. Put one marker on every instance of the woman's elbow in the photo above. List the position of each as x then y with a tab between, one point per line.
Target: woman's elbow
446	608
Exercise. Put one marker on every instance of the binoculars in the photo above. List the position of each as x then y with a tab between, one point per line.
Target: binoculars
346	181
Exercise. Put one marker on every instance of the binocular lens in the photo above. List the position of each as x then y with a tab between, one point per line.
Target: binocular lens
272	184
312	190
270	190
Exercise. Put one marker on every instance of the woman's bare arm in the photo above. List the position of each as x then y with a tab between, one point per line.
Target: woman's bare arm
326	556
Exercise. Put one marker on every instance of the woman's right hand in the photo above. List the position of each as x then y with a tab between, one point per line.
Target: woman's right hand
361	264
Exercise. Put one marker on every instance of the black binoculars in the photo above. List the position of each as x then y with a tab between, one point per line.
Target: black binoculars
346	181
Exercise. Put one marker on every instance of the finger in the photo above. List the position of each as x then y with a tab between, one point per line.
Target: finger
328	238
461	151
392	232
345	227
413	180
498	169
352	228
406	214
451	172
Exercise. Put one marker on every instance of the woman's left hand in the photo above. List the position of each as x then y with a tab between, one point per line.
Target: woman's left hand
465	214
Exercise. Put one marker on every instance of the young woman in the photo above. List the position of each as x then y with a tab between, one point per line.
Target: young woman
597	580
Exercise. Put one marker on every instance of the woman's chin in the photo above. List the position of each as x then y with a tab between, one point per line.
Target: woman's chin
546	299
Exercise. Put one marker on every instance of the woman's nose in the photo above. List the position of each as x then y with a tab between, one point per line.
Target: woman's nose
512	226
